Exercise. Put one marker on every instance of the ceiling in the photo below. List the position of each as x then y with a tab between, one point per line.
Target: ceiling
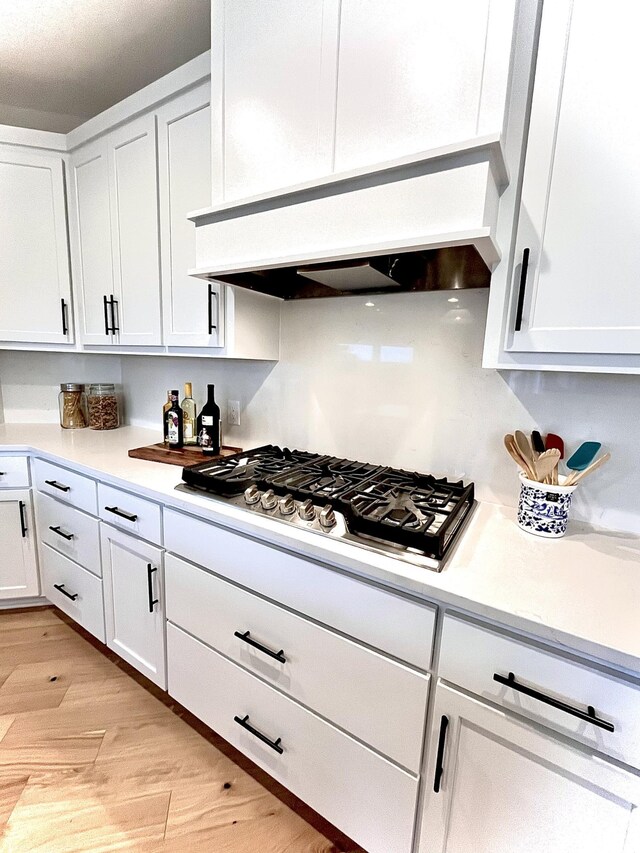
63	61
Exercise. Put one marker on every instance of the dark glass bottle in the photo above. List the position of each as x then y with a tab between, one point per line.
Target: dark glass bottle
209	425
174	423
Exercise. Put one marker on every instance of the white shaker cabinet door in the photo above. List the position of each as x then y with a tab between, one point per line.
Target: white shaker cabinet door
494	784
133	193
133	581
90	230
18	566
35	289
273	93
579	226
193	313
418	74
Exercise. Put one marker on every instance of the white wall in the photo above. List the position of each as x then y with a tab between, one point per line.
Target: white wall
399	382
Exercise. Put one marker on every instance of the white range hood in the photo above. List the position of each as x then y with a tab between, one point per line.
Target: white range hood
422	215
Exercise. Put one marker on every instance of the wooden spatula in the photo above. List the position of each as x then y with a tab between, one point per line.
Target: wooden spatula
512	449
575	478
526	451
546	463
554	442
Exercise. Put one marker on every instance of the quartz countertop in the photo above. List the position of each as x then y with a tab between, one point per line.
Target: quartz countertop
581	592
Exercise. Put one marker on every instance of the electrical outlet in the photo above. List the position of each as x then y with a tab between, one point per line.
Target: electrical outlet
233	412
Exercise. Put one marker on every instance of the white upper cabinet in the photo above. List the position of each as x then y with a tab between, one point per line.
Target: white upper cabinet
193	314
573	300
114	227
419	74
273	85
35	287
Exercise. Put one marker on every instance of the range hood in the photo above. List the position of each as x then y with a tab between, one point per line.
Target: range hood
414	224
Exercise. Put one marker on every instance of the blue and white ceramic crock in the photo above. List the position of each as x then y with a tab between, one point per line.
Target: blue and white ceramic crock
543	509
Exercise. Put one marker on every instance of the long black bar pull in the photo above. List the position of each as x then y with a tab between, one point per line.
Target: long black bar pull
63	311
247	638
152	601
105	305
274	744
523	286
56	485
212	326
442	739
57	529
23	522
589	716
113	303
122	513
60	588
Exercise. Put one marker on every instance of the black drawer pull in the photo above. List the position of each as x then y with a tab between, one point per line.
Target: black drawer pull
63	311
274	744
128	515
113	303
152	601
246	638
57	485
60	588
589	716
105	305
523	285
67	536
210	323
23	522
442	739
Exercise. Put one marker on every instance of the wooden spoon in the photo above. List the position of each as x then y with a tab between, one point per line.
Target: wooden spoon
575	478
526	451
512	450
546	463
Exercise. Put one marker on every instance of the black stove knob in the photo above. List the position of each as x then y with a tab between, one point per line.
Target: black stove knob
306	510
269	499
252	495
327	517
287	505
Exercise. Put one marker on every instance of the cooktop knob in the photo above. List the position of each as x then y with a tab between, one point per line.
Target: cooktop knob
327	516
287	505
306	510
252	495
269	499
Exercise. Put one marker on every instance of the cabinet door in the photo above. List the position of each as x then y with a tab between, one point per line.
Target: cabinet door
133	580
133	193
506	787
35	290
90	230
419	74
192	315
273	91
580	209
18	567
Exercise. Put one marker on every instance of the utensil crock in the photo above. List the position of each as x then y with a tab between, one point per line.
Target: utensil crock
544	509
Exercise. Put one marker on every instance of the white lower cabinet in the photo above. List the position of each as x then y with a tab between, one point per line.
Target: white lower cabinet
361	793
496	784
73	590
18	567
132	573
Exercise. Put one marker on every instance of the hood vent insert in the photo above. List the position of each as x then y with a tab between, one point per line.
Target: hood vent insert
456	268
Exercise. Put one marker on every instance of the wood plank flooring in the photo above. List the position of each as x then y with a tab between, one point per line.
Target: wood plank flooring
90	760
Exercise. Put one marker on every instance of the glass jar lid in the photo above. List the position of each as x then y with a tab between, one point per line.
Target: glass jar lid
71	386
99	388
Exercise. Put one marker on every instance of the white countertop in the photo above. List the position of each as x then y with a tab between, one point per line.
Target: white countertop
581	592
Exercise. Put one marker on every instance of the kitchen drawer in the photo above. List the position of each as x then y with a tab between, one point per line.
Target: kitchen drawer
129	512
316	667
71	532
361	793
65	485
399	626
87	608
471	655
14	472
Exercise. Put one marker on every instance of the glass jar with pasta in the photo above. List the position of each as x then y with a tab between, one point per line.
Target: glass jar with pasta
103	406
72	404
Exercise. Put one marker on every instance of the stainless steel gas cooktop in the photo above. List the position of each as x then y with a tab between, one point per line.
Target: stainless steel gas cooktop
414	517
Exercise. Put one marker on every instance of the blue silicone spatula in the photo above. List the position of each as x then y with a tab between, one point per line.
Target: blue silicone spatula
584	456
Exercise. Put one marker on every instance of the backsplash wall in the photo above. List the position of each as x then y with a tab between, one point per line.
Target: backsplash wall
395	379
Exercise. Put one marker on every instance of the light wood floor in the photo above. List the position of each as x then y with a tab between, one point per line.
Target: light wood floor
91	761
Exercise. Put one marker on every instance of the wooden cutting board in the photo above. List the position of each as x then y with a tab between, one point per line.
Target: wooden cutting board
185	456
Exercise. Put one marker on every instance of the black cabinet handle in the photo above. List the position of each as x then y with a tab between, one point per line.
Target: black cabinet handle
105	306
57	485
211	324
523	284
152	601
23	522
60	588
589	716
64	535
63	311
442	739
116	511
274	744
246	638
113	303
